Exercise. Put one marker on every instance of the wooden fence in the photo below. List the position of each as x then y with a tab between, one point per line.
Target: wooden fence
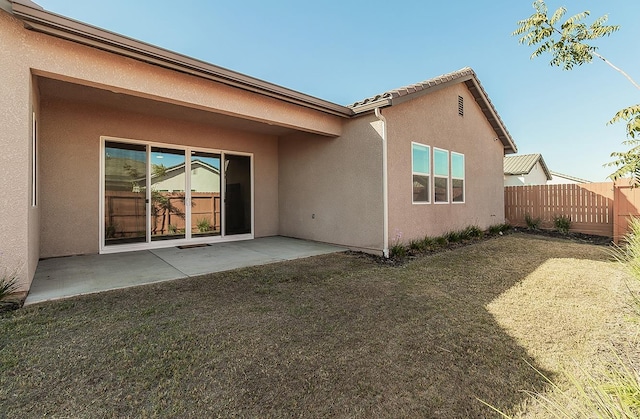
590	206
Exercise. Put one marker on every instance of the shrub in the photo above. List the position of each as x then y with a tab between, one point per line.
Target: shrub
441	241
428	243
473	232
532	223
203	225
617	398
398	251
8	285
499	228
417	245
628	253
562	223
453	236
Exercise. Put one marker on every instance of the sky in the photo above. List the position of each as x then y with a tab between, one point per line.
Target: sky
346	50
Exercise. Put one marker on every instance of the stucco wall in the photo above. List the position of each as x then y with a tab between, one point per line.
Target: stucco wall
70	162
24	53
34	210
15	140
337	180
433	120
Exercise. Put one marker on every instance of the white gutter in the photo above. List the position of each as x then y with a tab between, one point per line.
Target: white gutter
385	188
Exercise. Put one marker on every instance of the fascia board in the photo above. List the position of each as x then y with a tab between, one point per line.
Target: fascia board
69	29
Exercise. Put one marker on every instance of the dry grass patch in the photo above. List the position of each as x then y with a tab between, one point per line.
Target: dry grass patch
335	335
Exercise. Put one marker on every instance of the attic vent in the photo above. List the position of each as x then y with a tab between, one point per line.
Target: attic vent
460	106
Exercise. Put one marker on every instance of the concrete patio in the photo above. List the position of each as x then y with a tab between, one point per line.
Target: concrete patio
64	277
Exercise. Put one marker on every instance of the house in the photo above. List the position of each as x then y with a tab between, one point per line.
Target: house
525	169
562	179
86	112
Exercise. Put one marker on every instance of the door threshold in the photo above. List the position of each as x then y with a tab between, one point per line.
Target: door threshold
191	246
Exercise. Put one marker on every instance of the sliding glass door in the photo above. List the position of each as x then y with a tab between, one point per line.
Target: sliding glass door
237	201
205	194
168	194
125	184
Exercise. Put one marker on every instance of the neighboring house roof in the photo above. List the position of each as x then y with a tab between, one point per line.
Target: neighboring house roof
573	178
465	75
180	167
38	19
523	164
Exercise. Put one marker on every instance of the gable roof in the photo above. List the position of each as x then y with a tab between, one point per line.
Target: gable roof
573	178
465	75
38	19
523	164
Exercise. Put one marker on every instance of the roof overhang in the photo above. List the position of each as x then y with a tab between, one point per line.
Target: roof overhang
466	76
40	20
489	111
37	19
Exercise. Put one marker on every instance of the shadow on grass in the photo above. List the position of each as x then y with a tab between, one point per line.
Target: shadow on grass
335	335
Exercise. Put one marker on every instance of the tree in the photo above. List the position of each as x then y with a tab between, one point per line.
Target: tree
569	43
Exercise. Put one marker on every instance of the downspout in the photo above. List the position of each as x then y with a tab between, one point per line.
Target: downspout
385	188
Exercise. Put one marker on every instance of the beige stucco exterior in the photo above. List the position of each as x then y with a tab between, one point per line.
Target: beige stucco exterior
69	137
433	120
70	162
317	167
331	189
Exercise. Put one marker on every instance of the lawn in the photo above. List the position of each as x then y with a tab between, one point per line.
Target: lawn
337	335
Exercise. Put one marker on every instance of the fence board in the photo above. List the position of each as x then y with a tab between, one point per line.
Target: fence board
588	205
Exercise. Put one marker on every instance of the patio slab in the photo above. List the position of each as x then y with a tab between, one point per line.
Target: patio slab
65	277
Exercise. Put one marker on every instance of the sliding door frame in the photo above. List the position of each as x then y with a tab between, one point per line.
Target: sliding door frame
189	239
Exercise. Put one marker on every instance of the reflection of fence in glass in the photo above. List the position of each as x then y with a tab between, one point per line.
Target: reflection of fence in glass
205	213
125	215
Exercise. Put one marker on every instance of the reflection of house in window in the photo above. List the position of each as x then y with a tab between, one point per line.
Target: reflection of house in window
204	178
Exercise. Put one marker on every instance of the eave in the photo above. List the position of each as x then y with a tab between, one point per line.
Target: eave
43	21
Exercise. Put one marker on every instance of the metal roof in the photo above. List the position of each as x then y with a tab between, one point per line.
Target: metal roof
573	178
523	164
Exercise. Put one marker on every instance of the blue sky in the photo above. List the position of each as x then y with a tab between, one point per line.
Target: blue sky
344	51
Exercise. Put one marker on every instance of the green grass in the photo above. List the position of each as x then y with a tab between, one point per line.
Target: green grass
336	335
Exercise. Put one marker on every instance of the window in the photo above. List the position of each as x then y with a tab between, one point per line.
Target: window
440	175
457	177
420	163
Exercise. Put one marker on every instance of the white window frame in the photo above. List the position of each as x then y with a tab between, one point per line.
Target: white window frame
463	178
447	177
428	174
